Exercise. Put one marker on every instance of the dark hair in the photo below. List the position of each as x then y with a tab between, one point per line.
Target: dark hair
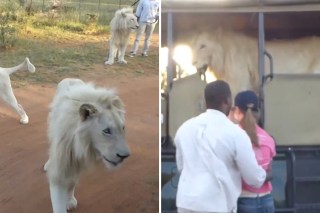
247	101
216	93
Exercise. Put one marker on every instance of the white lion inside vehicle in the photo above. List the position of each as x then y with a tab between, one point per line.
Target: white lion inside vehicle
233	57
6	92
86	125
121	25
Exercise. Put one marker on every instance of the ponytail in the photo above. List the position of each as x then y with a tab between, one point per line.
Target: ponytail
249	123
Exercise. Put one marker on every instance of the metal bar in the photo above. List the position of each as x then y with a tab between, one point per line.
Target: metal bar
261	47
170	50
270	75
298	148
291	179
287	210
169	67
294	187
308	179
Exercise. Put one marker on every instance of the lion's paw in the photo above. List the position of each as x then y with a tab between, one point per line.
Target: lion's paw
72	203
24	120
108	62
122	62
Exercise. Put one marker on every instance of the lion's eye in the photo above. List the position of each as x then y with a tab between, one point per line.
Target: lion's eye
202	46
107	131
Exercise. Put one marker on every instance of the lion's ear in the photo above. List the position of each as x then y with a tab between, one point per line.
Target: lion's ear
117	103
87	110
123	14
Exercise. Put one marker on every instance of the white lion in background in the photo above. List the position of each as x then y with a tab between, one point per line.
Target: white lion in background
6	92
233	57
121	25
86	125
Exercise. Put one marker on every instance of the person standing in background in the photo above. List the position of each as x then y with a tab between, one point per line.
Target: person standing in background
212	156
255	200
148	15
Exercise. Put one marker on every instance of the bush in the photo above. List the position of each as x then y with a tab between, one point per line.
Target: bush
42	23
7	29
71	26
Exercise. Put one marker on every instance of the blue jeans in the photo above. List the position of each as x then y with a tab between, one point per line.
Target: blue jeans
148	29
262	204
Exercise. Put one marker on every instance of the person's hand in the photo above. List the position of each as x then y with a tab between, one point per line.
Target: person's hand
269	173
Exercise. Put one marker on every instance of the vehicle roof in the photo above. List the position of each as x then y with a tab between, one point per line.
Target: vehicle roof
196	6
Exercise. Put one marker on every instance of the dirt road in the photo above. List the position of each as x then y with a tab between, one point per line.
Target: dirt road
23	151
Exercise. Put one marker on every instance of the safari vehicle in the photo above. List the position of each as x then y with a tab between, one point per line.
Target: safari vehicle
290	102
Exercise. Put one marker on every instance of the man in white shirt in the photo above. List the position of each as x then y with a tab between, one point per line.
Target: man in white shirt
212	155
148	15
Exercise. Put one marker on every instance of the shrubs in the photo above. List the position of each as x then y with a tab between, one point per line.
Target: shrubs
15	18
7	29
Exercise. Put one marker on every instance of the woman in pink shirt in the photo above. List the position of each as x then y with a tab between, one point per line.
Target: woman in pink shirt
255	200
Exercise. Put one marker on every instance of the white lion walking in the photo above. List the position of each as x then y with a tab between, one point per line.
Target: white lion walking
233	57
6	92
86	125
121	25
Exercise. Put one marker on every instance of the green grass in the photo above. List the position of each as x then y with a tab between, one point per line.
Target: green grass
62	23
66	54
62	47
78	10
54	62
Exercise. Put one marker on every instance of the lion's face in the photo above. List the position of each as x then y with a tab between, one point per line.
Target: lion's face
107	133
109	140
207	52
132	22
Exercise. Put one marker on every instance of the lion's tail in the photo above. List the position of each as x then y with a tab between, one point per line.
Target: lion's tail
30	66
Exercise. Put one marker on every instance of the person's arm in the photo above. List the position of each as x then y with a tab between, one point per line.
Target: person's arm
139	9
251	172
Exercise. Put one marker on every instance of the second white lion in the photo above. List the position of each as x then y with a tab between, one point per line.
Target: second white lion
86	125
233	57
121	25
6	92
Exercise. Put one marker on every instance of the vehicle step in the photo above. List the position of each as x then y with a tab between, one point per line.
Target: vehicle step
307	179
285	211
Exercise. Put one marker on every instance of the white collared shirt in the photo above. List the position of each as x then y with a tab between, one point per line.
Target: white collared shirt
212	154
147	11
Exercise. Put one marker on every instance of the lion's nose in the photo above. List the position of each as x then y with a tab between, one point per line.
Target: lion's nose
123	156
